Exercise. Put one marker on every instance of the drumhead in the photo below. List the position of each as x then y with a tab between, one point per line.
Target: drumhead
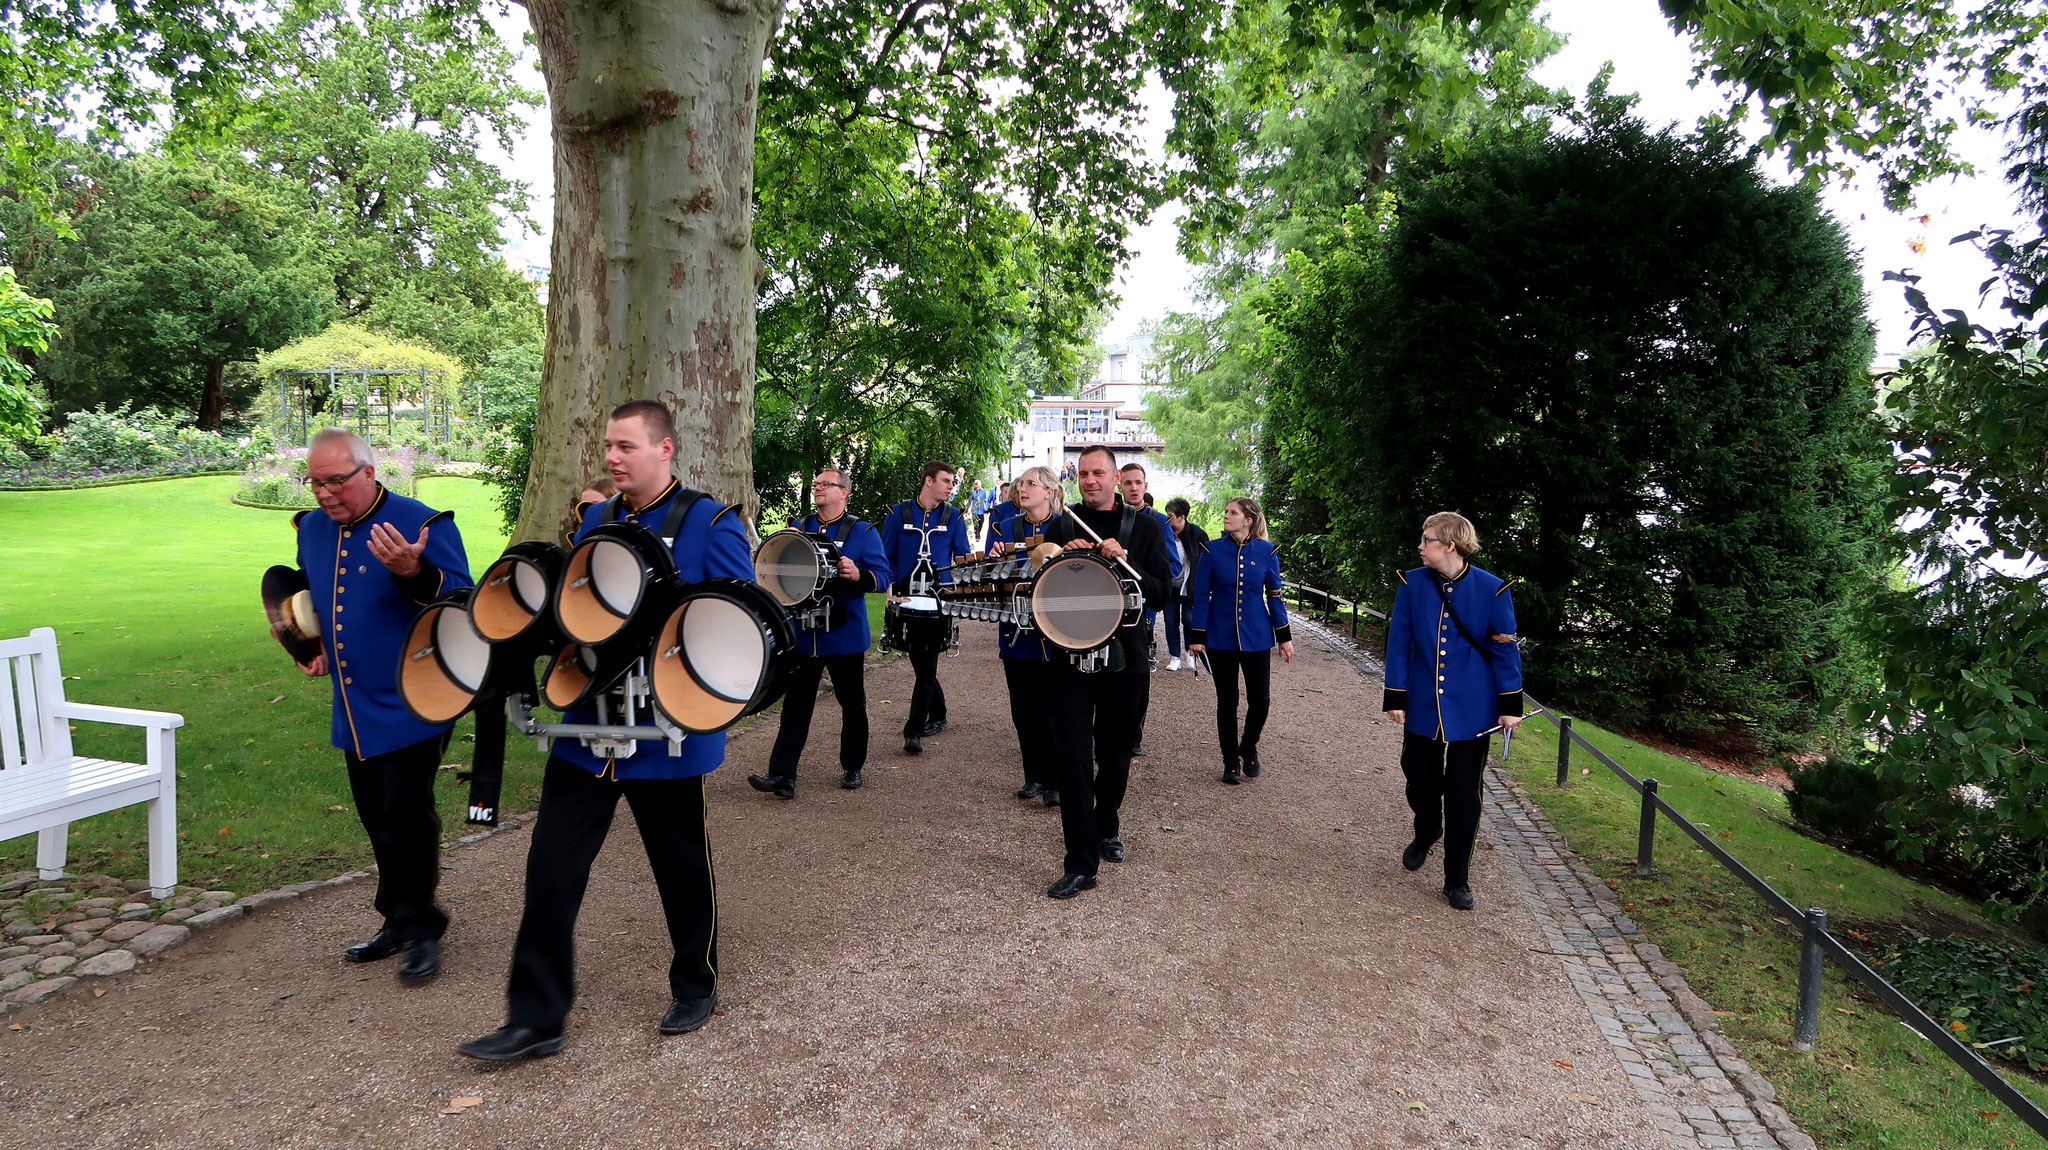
513	593
791	566
721	655
1077	602
443	663
569	677
607	580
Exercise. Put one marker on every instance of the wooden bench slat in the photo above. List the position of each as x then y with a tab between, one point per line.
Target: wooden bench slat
10	730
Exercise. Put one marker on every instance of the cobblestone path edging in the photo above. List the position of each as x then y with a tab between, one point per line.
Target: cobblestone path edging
1698	1089
56	933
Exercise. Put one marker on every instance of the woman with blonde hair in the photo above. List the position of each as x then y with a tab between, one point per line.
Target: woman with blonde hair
1236	616
1026	656
1454	676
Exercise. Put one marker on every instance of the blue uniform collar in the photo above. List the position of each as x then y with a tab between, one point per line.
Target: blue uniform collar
667	493
376	505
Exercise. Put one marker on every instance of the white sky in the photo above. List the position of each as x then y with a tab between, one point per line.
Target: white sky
1649	60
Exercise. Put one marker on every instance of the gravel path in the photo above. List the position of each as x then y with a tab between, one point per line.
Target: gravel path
1260	973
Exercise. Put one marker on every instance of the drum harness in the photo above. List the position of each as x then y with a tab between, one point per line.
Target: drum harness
923	579
633	694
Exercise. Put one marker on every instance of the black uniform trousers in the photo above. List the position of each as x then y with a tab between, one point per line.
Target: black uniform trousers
1094	723
1444	780
1258	689
849	686
927	698
394	795
1030	682
576	809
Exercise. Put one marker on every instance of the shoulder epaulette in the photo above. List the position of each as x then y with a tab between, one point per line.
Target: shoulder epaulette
1403	575
1504	584
298	515
728	507
583	505
437	515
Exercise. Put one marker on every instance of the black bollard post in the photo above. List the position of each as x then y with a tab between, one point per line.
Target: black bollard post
1564	748
1646	830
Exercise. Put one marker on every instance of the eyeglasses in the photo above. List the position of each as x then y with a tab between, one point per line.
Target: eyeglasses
1033	483
337	483
1434	539
828	484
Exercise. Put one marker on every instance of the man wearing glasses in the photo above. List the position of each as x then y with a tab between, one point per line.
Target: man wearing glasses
372	559
840	650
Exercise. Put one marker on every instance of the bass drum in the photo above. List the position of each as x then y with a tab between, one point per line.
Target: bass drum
724	653
794	567
1080	600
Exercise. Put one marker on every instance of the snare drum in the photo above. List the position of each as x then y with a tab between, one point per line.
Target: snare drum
915	626
795	568
1080	600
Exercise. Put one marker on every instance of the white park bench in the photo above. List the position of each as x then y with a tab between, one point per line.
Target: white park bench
43	785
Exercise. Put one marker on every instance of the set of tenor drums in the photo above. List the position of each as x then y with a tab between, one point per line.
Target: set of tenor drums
1078	600
713	651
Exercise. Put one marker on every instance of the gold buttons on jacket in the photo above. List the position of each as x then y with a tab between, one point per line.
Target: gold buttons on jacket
344	553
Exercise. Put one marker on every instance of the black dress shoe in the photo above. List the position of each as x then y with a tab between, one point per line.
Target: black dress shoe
1050	798
1416	853
1251	766
1459	896
1030	790
1230	774
777	785
509	1042
375	948
419	960
687	1014
912	745
850	781
1113	849
934	727
1071	885
1137	750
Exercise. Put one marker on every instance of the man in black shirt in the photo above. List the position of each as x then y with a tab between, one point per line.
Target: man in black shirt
1095	713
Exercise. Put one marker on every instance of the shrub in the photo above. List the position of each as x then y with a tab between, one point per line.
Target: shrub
1845	800
279	479
1990	993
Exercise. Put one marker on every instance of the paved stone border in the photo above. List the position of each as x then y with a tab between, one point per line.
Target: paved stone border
55	933
1699	1091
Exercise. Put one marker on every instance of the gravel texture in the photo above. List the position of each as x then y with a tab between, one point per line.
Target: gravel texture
1261	972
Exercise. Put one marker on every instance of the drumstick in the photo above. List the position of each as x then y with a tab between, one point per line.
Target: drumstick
1098	542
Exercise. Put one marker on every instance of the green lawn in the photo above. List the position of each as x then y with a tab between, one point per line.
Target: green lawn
1870	1082
152	591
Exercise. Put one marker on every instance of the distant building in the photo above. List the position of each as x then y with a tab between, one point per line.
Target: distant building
1110	410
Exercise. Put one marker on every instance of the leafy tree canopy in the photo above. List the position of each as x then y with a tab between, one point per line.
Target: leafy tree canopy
176	268
25	330
1641	371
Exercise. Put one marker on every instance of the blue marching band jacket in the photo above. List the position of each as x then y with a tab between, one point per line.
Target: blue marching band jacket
910	532
1450	688
1234	601
365	612
858	541
1173	558
1012	641
710	543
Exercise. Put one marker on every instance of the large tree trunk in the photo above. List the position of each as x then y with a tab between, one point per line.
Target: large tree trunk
214	397
651	289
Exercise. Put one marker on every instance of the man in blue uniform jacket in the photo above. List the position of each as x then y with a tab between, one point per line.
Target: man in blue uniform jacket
1454	676
932	529
841	650
372	559
580	790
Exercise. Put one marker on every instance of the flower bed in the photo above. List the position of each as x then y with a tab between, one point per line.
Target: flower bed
60	477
